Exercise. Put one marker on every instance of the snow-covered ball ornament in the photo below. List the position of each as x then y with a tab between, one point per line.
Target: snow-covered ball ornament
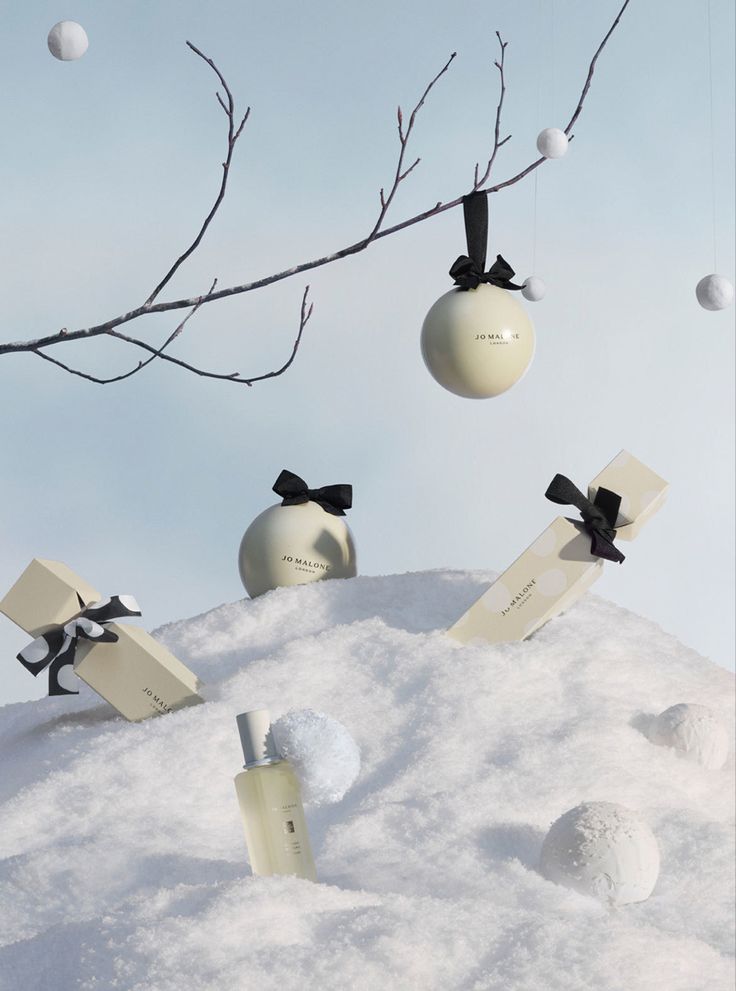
302	539
533	289
324	754
603	850
67	41
476	340
696	732
552	142
714	292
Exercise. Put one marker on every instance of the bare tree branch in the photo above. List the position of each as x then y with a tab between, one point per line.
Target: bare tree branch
232	137
378	231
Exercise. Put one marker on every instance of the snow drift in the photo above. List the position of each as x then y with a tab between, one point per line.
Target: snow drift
123	860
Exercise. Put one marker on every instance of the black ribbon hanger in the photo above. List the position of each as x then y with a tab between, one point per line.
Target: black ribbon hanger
599	516
467	270
56	648
334	499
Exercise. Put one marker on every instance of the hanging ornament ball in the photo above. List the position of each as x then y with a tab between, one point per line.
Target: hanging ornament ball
478	342
552	142
67	41
324	754
714	292
694	731
604	850
294	545
534	289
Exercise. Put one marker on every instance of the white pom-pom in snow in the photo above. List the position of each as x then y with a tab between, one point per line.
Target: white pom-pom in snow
604	850
67	41
694	731
714	292
533	289
326	757
552	142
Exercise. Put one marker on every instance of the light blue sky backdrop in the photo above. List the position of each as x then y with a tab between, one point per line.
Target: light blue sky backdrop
110	163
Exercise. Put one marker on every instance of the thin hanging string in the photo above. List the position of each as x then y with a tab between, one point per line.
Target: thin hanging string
712	139
537	123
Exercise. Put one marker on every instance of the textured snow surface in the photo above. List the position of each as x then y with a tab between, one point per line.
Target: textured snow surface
123	859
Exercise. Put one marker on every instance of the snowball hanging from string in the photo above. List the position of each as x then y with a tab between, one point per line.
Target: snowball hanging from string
604	850
477	341
714	292
533	289
67	41
552	142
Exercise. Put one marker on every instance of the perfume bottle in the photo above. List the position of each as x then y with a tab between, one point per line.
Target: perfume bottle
271	803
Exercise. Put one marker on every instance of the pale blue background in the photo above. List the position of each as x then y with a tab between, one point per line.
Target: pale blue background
110	163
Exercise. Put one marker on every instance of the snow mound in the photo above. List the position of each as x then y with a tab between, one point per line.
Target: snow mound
124	864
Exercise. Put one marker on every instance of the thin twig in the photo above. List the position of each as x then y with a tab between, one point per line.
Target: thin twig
377	232
232	137
497	142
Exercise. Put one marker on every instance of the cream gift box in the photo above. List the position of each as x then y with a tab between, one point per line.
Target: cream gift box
136	674
559	567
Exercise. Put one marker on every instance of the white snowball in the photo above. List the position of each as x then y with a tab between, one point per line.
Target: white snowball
533	289
67	41
694	731
604	850
714	292
552	142
326	757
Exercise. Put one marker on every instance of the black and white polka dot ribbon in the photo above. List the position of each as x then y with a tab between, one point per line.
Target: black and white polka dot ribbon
56	648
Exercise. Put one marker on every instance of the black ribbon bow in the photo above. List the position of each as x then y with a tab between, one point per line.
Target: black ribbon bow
467	270
334	499
599	516
56	648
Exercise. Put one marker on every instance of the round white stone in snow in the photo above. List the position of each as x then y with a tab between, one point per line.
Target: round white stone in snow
552	142
534	289
714	292
67	41
324	754
694	731
603	850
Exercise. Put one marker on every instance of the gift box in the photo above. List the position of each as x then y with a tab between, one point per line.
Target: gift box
565	560
136	674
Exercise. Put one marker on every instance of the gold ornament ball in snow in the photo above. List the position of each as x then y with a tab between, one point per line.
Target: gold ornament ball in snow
477	343
604	850
714	292
67	41
552	142
534	289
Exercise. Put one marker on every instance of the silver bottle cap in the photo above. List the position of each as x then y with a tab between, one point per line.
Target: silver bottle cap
256	738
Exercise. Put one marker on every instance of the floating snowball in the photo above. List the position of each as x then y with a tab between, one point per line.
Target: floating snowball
67	41
533	289
694	731
325	755
604	850
714	292
552	142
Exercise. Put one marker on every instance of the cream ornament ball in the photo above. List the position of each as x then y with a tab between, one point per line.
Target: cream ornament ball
534	289
696	732
603	850
67	41
302	539
552	142
714	292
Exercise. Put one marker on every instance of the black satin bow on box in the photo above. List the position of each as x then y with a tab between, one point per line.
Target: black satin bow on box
599	516
467	270
334	499
57	647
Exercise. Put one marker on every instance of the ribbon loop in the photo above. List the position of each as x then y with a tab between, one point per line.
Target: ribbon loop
56	648
599	517
468	270
334	499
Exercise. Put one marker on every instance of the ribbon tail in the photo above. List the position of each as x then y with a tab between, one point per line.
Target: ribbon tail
65	658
